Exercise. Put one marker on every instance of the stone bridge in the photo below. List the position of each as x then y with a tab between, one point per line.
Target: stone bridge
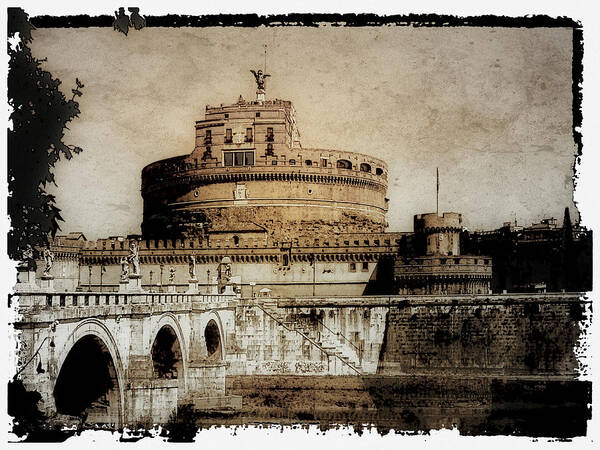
124	358
130	358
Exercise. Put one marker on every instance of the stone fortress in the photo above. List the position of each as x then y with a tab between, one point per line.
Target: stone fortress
294	221
260	257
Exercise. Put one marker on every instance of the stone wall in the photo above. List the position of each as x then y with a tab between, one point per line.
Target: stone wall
529	335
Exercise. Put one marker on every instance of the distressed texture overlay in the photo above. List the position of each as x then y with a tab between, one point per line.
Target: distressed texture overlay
316	219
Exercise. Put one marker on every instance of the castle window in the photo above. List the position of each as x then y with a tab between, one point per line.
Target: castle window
308	162
248	135
238	159
274	162
364	167
365	266
292	162
228	136
269	151
207	137
344	164
376	242
379	171
324	162
386	241
352	267
456	260
257	114
227	115
356	243
286	260
346	242
270	136
236	240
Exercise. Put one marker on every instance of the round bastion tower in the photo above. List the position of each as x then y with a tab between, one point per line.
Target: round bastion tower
441	234
438	268
248	173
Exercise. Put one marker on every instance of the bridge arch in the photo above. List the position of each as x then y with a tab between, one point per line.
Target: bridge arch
168	329
90	347
213	336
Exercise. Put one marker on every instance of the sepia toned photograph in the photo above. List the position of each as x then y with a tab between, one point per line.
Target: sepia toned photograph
325	221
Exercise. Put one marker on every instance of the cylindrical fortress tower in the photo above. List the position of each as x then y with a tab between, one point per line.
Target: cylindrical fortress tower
440	234
248	172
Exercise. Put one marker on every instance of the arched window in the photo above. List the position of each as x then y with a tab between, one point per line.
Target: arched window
269	151
344	164
379	171
236	240
364	167
308	162
292	162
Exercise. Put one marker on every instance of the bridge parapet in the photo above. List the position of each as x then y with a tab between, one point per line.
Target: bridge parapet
91	304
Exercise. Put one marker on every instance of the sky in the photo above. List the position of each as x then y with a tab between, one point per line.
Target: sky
491	107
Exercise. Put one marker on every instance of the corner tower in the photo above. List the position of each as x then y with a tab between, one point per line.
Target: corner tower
248	172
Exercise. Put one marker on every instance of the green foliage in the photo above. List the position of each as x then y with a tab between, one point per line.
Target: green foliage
40	113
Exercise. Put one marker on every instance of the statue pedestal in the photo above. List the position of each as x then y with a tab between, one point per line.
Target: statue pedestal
135	283
192	286
47	283
260	96
171	289
25	279
123	285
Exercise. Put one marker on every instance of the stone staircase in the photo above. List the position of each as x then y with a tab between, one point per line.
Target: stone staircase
334	345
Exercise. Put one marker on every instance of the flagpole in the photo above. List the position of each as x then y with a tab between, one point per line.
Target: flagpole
437	191
265	58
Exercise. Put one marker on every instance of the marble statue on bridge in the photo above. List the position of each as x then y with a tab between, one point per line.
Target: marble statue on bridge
124	269
134	257
192	267
48	259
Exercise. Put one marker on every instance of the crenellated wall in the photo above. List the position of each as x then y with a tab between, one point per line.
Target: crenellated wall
347	264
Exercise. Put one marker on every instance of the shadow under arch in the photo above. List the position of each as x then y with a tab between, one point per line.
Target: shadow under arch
89	384
168	350
214	343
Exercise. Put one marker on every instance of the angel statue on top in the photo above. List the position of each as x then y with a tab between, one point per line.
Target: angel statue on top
260	79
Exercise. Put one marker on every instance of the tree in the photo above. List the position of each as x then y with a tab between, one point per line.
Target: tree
40	113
